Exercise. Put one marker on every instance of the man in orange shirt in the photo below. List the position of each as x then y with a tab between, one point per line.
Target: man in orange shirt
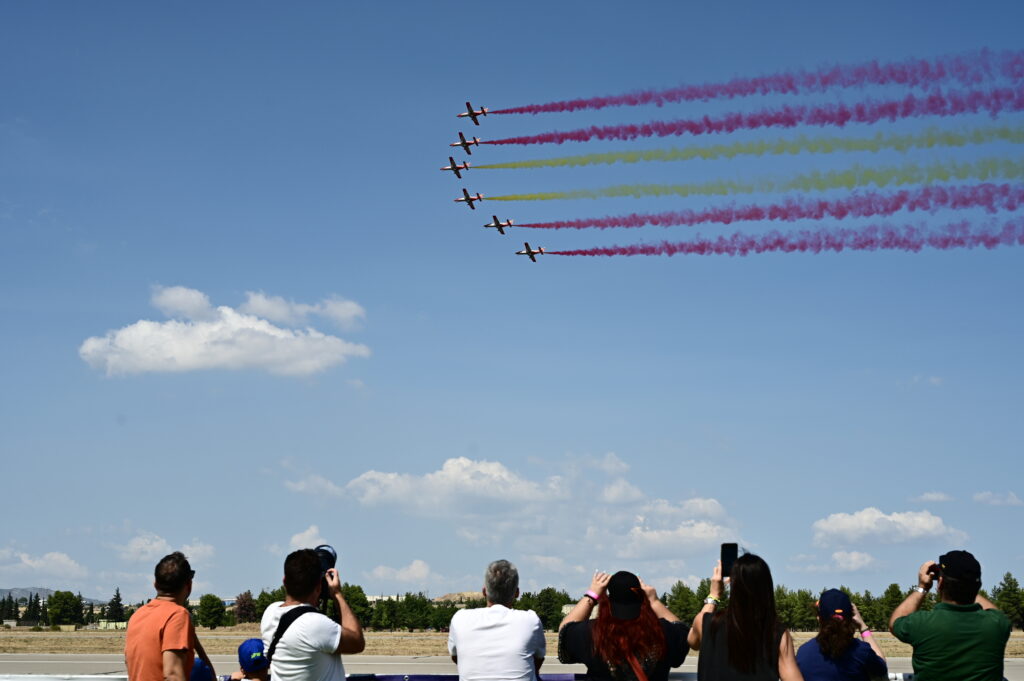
160	640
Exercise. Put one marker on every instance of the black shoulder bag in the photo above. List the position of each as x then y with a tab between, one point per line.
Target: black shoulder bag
286	621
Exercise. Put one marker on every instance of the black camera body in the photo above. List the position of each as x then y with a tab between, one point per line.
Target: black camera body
328	559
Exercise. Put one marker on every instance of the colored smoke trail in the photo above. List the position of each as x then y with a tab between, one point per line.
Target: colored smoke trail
874	238
986	169
869	111
815	145
990	197
967	69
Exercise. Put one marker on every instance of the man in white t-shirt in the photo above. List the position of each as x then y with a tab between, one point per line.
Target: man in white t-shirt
497	643
310	648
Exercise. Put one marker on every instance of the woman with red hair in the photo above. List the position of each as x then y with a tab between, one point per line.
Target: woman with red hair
634	637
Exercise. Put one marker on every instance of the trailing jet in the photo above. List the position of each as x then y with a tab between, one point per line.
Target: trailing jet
474	115
455	168
497	224
469	199
531	252
465	144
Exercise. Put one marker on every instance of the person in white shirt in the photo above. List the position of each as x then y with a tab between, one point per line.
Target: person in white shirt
497	643
310	648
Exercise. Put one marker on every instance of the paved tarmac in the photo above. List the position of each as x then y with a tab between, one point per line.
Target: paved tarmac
16	664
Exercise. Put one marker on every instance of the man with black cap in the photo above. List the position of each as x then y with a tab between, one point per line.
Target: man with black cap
964	636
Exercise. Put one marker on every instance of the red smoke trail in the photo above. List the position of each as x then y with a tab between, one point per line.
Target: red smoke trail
991	197
869	111
970	69
878	237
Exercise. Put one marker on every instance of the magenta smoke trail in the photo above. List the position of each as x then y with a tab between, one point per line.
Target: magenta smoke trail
991	197
969	69
874	238
869	111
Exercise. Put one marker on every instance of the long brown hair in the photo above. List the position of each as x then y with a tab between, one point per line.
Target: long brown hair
615	639
835	636
751	619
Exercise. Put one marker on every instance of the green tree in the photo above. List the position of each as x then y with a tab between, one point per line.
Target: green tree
889	601
44	611
245	607
549	606
683	602
266	598
356	599
115	608
210	612
385	615
414	611
441	618
1009	598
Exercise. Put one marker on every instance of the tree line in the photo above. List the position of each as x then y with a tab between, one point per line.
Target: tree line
411	611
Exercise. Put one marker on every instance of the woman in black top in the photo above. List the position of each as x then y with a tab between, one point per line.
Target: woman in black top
634	638
746	640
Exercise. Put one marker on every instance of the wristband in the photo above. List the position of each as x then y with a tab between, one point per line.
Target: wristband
711	600
591	595
866	633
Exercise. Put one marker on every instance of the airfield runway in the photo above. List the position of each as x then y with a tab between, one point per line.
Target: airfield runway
113	665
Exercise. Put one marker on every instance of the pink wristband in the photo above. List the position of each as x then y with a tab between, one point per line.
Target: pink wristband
592	596
865	633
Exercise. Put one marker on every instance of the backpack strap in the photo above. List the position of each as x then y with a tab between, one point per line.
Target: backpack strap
286	621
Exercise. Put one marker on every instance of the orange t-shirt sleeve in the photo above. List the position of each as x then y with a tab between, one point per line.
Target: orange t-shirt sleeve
178	633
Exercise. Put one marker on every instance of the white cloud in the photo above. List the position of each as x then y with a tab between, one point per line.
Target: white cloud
17	564
416	571
201	337
621	492
689	536
996	499
852	561
307	539
933	497
345	313
872	524
555	564
316	485
145	546
458	482
934	381
198	553
611	464
665	510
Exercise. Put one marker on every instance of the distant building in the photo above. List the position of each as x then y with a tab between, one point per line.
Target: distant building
108	624
374	599
460	597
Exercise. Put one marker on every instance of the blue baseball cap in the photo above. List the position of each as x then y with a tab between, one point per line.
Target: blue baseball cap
251	657
200	672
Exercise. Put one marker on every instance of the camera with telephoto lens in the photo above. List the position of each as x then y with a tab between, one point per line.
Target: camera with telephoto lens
328	559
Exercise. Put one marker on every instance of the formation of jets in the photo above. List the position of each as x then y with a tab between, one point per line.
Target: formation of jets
473	115
471	199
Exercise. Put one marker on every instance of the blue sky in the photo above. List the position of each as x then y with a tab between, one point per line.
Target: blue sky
359	362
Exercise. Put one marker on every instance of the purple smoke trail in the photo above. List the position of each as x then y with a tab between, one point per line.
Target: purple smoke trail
869	111
969	69
877	237
991	197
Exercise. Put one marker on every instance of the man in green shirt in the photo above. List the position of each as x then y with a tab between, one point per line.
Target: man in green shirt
963	638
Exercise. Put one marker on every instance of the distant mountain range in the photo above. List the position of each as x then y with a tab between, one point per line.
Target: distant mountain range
25	592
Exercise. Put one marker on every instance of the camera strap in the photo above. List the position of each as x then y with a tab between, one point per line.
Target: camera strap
284	623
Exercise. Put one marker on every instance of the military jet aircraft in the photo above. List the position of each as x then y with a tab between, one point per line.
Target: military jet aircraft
469	199
465	144
455	168
499	225
473	115
531	252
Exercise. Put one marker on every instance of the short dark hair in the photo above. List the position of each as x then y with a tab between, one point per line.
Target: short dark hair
301	573
960	591
172	573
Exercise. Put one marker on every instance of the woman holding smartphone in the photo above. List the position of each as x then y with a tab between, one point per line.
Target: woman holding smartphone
746	640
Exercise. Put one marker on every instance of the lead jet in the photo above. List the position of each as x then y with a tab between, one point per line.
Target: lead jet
465	144
531	252
473	115
455	168
497	224
469	199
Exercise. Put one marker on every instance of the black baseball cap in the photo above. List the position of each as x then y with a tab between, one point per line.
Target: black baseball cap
961	565
625	595
835	603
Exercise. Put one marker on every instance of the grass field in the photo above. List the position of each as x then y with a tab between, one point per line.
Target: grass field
225	640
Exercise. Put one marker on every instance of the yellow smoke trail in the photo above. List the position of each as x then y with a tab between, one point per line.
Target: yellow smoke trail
857	176
814	145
